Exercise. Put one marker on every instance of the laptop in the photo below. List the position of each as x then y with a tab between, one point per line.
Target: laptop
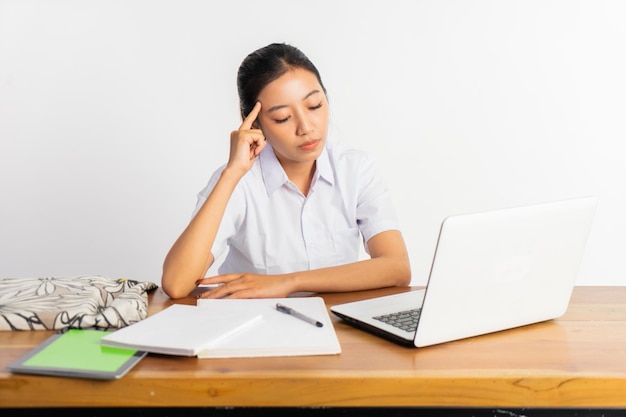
491	271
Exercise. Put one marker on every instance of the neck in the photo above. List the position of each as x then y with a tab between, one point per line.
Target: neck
301	174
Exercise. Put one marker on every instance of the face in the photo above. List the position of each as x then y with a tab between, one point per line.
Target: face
294	117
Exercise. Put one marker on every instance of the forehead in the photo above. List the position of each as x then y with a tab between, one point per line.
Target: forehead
294	85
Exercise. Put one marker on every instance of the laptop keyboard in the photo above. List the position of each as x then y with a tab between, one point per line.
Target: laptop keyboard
405	320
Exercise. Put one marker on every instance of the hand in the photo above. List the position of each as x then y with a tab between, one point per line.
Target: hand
246	143
247	286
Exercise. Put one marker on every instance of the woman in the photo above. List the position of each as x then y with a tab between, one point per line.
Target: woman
291	208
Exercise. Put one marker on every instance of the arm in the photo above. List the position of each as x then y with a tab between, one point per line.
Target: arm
190	256
389	266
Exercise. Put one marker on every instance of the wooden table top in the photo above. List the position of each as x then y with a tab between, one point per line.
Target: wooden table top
578	360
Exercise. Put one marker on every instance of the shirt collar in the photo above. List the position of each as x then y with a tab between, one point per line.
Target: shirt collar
324	168
274	175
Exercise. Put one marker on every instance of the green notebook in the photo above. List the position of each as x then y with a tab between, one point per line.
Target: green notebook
77	353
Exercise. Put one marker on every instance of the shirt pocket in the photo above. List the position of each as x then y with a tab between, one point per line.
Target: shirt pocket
346	243
281	254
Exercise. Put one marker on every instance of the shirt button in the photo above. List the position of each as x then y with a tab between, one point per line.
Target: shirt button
312	243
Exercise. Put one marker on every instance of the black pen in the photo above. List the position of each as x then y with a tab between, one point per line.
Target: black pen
288	310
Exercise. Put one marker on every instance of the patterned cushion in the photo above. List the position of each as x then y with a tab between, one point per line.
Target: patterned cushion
71	302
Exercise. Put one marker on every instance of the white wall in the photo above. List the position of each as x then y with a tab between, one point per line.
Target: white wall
113	114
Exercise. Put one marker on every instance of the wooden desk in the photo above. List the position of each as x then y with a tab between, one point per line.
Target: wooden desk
578	360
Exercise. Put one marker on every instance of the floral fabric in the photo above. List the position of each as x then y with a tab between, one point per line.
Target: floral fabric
71	302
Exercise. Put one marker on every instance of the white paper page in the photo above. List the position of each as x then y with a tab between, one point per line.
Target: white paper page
181	330
276	334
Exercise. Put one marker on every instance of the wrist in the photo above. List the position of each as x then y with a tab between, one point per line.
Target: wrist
294	282
231	174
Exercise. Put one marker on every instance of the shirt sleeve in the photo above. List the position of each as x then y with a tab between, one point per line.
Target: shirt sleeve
375	211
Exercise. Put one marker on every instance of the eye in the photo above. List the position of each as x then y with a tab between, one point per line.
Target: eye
316	107
279	121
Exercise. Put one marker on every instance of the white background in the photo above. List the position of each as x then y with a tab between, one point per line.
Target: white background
113	115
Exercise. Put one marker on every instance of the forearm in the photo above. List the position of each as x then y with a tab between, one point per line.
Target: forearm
190	256
384	271
389	266
378	272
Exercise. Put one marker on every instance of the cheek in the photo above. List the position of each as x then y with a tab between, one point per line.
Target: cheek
322	119
272	135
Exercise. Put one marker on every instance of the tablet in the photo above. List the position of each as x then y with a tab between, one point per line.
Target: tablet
77	353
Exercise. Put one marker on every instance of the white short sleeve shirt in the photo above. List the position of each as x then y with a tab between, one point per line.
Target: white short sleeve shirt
270	227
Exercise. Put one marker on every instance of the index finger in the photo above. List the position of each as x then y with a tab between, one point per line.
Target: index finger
251	117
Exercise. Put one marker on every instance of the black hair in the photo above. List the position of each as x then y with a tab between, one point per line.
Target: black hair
265	65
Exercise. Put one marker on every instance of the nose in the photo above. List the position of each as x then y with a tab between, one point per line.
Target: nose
304	126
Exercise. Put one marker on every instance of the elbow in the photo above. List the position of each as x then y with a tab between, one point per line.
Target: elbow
404	281
168	289
179	279
174	292
172	288
403	277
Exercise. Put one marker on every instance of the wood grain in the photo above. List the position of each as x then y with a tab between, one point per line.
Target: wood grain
578	360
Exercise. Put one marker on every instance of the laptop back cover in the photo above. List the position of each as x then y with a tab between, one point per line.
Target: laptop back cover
502	269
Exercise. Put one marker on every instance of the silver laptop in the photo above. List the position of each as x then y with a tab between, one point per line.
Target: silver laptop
491	271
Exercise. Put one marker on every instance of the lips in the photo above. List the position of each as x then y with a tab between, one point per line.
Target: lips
309	145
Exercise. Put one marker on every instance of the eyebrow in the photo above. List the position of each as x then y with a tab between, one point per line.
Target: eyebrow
280	106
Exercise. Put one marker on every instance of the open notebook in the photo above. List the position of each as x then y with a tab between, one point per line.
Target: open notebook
233	328
491	271
277	333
